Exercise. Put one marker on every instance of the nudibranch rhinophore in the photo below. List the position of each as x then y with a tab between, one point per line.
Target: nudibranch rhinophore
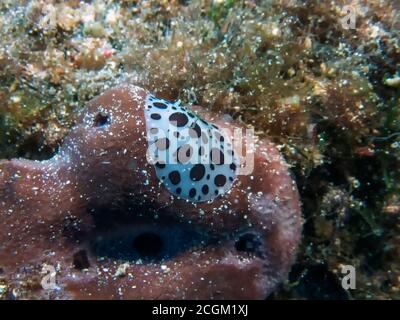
148	199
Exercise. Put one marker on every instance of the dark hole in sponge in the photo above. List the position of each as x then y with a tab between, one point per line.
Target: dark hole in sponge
80	260
148	245
101	119
124	234
249	243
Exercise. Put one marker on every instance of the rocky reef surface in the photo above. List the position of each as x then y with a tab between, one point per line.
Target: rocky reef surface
326	92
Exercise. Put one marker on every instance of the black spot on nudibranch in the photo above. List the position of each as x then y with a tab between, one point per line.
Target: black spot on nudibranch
192	193
220	180
155	116
197	172
201	151
174	177
178	119
160	105
203	121
160	165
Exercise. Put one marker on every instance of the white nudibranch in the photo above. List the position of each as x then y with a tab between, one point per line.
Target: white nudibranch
194	159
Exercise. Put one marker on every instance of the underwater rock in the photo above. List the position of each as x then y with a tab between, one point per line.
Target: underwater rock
108	201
